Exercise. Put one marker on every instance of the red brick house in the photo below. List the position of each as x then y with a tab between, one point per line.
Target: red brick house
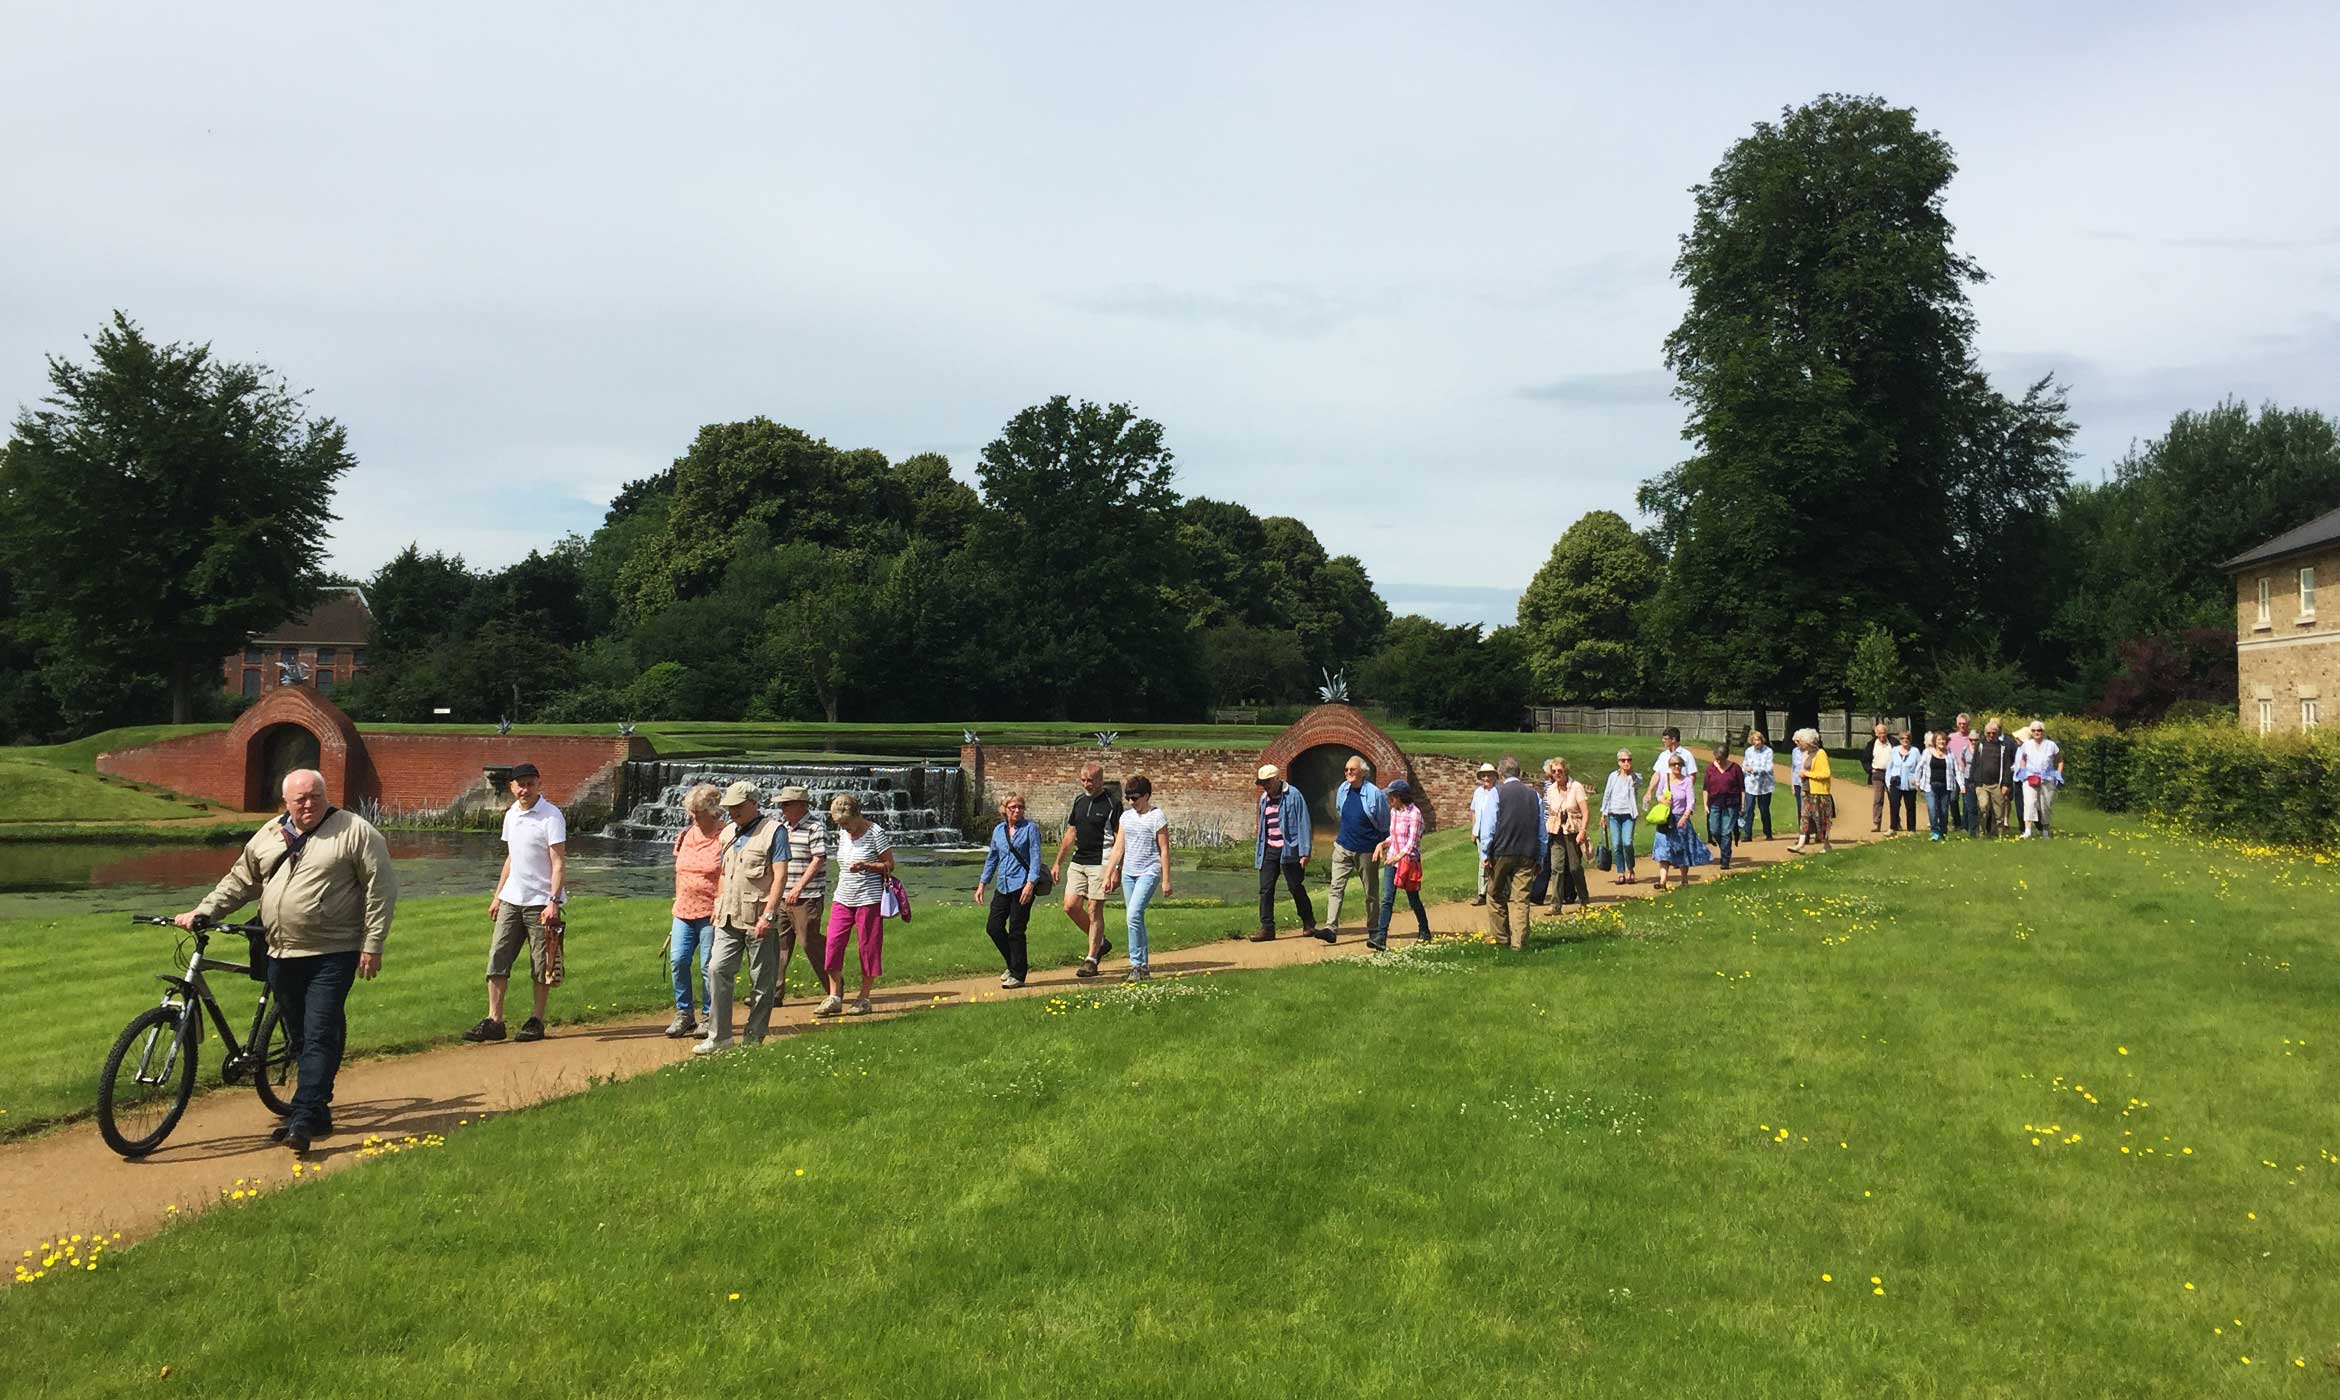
330	641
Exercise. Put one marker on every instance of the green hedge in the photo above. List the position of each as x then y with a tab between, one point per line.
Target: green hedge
2217	778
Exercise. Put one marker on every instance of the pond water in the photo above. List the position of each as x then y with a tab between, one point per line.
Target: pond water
49	879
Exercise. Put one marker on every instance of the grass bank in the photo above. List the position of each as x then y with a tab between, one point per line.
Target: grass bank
2046	1118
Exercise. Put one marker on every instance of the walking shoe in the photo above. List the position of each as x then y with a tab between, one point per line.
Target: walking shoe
1007	979
1137	974
683	1024
1104	950
1478	899
1373	947
1321	935
710	1047
487	1029
284	1130
1011	983
1265	935
530	1029
860	1006
829	1006
1422	937
1088	968
298	1140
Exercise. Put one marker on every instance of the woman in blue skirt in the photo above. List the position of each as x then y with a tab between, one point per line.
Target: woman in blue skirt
1676	846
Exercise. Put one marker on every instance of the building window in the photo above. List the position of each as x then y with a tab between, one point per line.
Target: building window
253	656
357	657
325	657
251	684
2266	716
325	682
2309	714
2266	602
2307	595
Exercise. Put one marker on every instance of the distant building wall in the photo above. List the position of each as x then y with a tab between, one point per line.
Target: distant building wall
2287	660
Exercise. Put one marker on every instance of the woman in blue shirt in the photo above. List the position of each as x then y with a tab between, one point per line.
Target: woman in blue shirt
1014	863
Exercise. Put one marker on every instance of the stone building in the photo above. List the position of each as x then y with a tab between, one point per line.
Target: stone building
330	641
2286	653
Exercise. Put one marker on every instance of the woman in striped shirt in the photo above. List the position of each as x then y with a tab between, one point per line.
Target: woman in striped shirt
1404	846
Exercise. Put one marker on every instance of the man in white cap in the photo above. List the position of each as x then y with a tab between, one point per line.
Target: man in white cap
1483	823
1280	850
747	903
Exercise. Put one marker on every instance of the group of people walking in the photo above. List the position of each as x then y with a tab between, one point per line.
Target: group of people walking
750	884
1984	786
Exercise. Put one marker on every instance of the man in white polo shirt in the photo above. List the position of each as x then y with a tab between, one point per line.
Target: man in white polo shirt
526	907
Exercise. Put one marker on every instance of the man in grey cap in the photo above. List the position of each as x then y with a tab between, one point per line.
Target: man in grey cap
747	902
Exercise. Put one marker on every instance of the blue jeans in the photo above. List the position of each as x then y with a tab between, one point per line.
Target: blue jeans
1938	800
1968	811
689	936
1747	811
1379	937
1621	843
312	994
1722	827
1137	891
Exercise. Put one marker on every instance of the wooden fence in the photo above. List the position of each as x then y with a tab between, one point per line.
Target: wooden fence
1838	728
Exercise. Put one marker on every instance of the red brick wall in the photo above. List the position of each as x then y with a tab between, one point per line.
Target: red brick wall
1193	784
412	772
433	771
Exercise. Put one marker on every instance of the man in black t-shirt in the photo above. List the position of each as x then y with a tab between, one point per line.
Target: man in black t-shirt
1096	816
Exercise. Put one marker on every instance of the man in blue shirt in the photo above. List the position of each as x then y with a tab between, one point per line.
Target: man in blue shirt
1280	850
1483	823
1364	816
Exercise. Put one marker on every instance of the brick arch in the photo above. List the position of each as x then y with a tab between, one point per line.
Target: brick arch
341	754
1346	726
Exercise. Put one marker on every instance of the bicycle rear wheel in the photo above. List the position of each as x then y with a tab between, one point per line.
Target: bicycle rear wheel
276	1073
149	1076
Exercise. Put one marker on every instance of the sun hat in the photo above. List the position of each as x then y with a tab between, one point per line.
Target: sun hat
1266	771
524	770
1486	767
739	794
792	793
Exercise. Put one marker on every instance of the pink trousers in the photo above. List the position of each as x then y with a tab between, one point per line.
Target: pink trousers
846	920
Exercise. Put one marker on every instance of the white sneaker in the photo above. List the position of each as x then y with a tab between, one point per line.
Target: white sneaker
710	1047
1007	979
860	1006
829	1006
1011	983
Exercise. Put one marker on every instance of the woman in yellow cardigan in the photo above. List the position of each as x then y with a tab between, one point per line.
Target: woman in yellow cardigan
1819	802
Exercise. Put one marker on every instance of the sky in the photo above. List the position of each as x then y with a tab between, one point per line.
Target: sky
1401	271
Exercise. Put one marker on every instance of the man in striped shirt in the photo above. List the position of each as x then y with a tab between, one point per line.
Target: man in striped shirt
808	875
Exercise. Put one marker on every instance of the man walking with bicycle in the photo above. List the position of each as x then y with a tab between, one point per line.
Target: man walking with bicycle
327	894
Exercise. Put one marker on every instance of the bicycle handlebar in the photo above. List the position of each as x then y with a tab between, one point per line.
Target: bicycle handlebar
202	925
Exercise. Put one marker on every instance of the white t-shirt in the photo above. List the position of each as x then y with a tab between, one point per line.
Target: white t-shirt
530	836
1141	851
2038	755
856	888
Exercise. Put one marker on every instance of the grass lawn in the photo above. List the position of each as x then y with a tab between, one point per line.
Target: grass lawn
2036	1119
431	988
42	792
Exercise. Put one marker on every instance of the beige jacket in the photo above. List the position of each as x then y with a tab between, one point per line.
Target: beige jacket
337	898
749	870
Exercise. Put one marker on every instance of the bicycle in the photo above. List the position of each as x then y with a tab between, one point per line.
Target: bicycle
137	1109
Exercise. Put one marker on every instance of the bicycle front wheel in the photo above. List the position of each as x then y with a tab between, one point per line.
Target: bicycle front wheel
148	1079
278	1072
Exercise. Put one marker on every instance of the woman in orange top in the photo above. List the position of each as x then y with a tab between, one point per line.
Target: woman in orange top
698	869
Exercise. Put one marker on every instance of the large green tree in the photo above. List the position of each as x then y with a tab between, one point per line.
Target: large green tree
159	505
1078	546
1578	615
1827	367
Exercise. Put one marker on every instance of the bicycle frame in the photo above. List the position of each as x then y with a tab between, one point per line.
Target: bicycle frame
191	987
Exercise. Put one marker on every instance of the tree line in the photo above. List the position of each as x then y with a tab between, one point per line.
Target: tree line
1863	518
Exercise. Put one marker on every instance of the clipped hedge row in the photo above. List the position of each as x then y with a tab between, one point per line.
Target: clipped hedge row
2216	778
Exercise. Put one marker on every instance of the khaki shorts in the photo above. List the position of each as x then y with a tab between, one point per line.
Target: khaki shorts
518	924
1084	881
